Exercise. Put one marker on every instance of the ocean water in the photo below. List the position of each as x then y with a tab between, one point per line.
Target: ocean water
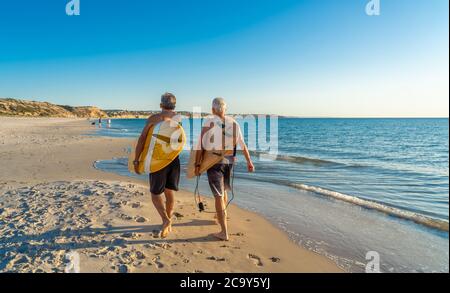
344	187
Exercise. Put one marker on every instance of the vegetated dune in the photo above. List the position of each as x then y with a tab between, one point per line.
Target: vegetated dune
15	107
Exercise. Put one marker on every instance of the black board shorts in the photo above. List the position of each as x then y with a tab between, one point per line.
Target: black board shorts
219	178
169	178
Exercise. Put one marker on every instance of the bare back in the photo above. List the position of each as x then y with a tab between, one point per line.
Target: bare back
162	116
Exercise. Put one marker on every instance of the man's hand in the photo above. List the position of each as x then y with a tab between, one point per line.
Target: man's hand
197	170
136	167
250	167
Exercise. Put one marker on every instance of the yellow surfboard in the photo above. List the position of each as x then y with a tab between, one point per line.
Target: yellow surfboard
165	141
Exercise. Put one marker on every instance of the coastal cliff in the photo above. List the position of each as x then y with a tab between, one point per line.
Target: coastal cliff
15	107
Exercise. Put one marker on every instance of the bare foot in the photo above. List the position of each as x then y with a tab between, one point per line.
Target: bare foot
222	236
166	229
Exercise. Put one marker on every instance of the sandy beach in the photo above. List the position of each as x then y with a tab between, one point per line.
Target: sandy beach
52	201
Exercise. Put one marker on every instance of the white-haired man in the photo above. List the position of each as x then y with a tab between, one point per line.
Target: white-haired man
221	132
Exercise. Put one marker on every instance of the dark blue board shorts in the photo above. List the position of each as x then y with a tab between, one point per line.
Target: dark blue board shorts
168	177
219	178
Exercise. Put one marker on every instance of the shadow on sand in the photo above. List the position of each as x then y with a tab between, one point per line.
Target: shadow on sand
32	245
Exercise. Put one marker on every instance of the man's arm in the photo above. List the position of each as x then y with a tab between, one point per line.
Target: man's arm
199	152
250	165
141	142
241	142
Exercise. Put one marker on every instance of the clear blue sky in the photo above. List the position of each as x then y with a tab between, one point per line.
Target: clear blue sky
303	58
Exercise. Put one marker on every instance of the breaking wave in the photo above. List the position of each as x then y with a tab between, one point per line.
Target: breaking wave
407	215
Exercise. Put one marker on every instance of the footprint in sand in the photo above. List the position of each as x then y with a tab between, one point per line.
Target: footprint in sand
123	269
256	260
136	205
155	233
140	219
215	258
125	217
158	264
275	259
131	235
178	215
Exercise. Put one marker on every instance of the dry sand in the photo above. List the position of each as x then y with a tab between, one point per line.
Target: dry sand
52	201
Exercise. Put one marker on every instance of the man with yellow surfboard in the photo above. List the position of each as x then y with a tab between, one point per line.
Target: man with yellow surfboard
157	153
216	155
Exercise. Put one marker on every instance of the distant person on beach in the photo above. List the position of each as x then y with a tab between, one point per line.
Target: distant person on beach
219	175
166	180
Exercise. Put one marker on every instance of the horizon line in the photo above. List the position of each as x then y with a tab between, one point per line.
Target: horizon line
303	117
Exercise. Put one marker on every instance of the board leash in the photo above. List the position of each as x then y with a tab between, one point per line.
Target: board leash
198	201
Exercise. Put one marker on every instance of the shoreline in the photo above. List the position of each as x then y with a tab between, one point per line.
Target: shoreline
60	151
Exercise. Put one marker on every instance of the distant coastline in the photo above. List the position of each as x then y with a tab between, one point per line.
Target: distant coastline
28	108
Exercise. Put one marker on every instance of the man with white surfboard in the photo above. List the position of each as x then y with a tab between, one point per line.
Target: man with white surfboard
216	155
157	154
